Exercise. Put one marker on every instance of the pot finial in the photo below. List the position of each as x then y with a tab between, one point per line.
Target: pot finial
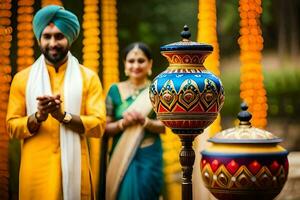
244	116
186	33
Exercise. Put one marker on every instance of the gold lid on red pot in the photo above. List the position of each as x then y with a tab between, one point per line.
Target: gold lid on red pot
244	133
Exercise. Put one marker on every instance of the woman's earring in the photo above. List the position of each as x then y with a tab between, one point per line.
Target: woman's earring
126	73
149	72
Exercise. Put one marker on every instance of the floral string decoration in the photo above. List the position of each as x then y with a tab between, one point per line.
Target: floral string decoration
91	56
25	36
252	89
51	2
91	32
110	46
5	79
207	33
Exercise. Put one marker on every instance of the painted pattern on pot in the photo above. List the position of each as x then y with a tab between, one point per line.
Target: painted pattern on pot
244	163
186	96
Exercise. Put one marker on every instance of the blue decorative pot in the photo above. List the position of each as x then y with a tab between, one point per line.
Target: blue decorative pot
186	97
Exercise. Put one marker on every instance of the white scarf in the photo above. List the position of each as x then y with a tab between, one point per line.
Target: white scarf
39	84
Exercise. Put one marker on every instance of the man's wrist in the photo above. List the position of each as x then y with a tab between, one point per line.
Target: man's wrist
61	119
37	117
67	118
33	124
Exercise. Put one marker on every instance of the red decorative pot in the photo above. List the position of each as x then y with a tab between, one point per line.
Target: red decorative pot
244	163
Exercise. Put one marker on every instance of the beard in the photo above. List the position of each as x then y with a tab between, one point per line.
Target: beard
56	58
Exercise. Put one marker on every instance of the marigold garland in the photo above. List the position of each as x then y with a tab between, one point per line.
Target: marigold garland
25	34
5	79
51	2
91	32
207	33
172	167
90	54
110	46
251	45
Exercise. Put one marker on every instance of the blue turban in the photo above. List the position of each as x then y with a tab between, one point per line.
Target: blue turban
64	20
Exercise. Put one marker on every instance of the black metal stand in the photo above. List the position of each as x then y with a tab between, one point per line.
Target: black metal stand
187	159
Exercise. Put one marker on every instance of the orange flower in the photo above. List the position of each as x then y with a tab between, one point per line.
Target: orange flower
251	44
109	42
207	33
91	32
5	79
25	35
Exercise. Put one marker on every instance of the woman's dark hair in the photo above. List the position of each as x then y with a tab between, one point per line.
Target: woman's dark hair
142	46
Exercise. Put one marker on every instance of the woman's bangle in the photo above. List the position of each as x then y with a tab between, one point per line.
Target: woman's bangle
146	123
120	124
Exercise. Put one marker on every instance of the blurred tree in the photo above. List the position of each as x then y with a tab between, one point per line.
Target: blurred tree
288	31
155	22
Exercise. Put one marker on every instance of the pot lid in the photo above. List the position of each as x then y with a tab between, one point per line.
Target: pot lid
244	133
186	44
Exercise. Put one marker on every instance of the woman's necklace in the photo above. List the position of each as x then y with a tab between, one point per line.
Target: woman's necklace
135	90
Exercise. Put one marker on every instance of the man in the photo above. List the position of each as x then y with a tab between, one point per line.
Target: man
54	105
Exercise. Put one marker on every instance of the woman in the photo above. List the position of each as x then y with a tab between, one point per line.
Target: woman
135	169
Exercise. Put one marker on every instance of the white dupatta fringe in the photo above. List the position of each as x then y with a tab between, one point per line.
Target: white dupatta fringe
39	84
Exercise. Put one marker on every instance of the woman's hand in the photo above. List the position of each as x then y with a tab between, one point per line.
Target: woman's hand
134	117
131	118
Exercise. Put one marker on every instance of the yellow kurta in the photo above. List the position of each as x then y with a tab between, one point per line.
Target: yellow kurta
40	171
